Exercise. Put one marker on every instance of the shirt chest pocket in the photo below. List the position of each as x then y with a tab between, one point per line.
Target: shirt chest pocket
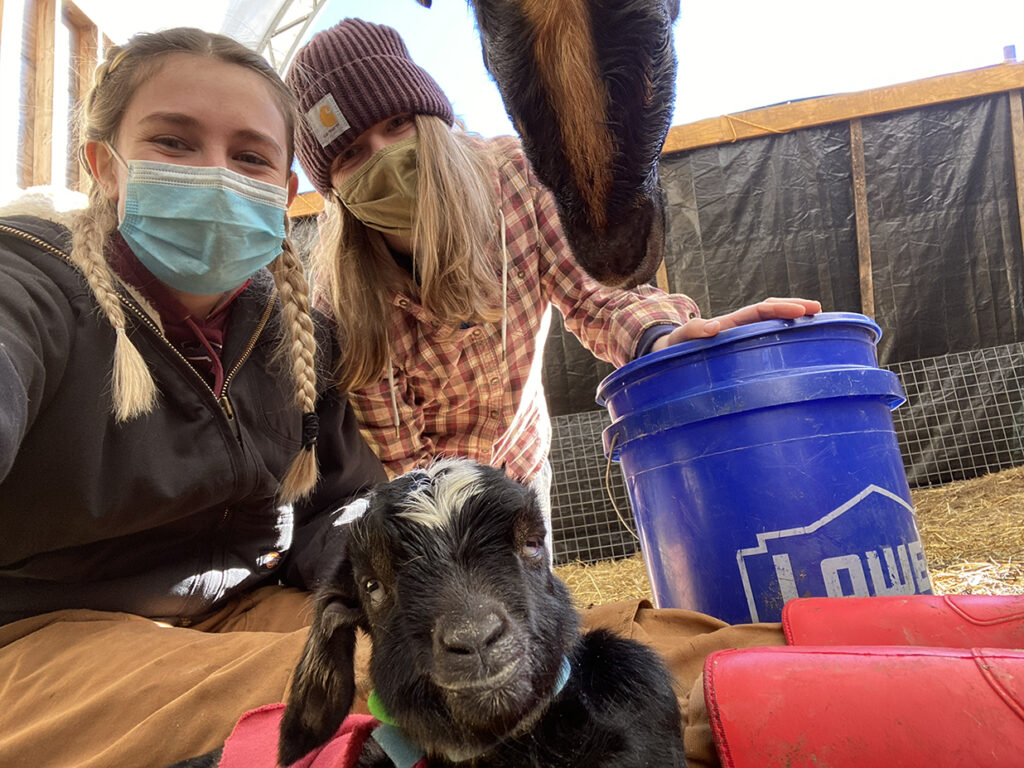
457	373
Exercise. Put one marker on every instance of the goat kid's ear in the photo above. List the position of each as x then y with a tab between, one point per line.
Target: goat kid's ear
323	685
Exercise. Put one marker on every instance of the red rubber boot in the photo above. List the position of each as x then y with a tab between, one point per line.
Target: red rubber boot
866	707
955	621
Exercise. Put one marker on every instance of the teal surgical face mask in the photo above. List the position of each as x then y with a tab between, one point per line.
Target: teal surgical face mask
201	229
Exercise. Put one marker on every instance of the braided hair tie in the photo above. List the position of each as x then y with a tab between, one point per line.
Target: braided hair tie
310	430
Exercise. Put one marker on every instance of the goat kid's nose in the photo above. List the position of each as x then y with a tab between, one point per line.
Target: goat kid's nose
472	632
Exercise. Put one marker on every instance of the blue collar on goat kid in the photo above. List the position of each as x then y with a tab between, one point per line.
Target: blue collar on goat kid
447	572
590	88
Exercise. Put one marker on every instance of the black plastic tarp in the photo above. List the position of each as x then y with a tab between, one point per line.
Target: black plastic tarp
945	231
775	216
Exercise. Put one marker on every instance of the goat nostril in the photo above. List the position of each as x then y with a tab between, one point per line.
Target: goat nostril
471	636
497	632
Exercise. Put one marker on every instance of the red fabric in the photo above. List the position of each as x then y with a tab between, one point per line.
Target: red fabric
253	742
851	707
956	621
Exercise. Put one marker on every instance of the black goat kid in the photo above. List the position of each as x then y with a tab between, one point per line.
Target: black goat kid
448	573
476	653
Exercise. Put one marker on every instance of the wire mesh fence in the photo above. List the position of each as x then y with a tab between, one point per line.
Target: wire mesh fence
964	417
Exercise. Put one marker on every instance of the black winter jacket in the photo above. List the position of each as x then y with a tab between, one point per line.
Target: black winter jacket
168	514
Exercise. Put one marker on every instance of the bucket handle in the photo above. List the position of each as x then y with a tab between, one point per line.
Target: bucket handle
608	488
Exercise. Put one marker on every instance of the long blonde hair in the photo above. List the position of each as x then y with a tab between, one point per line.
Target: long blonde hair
115	82
457	218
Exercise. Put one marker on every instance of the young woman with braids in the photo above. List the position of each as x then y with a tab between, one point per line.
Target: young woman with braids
171	452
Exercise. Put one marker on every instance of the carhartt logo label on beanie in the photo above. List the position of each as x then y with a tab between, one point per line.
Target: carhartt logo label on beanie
326	120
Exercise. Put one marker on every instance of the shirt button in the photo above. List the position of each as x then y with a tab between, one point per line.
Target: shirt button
522	274
477	333
495	381
403	303
494	413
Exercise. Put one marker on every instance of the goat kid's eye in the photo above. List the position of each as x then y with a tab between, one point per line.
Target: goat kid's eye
533	547
374	590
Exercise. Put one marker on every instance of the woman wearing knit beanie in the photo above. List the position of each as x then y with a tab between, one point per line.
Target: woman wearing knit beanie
440	256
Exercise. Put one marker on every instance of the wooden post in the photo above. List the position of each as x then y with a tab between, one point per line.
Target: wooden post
860	208
85	45
42	91
1017	131
1017	128
663	276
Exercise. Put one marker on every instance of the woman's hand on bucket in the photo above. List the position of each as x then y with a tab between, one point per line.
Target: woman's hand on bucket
769	309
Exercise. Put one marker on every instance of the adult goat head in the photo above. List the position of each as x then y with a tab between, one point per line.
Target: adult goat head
589	86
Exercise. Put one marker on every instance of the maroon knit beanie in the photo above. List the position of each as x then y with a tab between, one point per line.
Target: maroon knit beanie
348	78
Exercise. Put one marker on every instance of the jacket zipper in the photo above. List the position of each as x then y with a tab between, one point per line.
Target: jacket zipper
37	241
222	400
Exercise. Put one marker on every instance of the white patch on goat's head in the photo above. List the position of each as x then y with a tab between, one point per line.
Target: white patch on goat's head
353	511
447	484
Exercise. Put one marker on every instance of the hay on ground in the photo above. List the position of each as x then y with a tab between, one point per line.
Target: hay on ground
973	534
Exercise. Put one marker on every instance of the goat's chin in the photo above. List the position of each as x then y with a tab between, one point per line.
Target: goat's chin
496	707
489	710
489	717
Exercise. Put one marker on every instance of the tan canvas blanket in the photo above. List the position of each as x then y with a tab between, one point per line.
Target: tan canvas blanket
91	689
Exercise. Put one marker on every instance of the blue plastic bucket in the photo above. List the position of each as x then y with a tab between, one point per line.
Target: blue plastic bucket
762	464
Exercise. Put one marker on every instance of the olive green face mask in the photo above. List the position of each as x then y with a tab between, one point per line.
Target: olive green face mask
382	193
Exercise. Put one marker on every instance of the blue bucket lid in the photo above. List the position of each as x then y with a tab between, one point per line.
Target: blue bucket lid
826	321
804	387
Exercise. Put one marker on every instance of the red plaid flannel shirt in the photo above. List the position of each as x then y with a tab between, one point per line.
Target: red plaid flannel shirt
457	393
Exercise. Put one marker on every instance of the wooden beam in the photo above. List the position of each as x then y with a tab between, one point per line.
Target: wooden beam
1017	128
792	116
662	277
306	204
860	209
85	42
45	19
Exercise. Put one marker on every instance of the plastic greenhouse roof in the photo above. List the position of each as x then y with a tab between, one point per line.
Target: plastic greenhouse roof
274	28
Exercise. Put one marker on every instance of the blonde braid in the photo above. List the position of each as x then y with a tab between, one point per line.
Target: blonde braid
299	346
132	386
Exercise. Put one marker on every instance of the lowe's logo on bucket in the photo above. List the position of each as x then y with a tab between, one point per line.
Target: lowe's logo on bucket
867	546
